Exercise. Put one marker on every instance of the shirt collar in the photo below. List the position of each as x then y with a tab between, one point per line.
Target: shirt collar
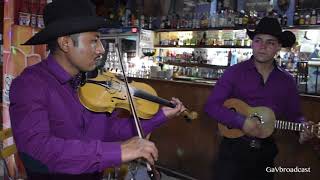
57	70
251	64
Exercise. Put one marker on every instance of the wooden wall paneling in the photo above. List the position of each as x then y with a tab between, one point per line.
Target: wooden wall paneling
191	148
188	147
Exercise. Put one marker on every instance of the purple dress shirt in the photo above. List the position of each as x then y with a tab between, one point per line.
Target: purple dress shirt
51	125
242	81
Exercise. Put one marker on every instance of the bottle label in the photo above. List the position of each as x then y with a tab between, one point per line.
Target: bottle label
313	20
33	20
318	19
40	22
24	18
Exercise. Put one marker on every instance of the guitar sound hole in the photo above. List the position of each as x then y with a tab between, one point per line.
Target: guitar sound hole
258	117
233	109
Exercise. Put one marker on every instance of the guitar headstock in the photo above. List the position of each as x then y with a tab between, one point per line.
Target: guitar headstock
313	128
189	116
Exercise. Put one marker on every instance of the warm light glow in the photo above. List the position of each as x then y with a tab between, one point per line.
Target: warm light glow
134	30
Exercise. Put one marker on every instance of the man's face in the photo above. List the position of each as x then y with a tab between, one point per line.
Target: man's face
86	53
265	47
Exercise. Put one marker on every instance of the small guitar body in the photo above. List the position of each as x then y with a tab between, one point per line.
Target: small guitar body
264	114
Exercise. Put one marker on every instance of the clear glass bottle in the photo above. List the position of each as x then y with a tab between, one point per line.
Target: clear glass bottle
313	19
307	18
296	18
318	16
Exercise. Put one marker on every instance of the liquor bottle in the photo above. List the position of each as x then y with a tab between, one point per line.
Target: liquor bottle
163	22
212	21
123	21
284	20
173	21
168	22
198	20
141	22
307	18
150	22
231	19
313	19
318	16
34	9
203	39
236	19
229	57
194	21
240	19
40	22
202	19
222	19
301	19
127	20
134	20
296	18
245	19
178	21
24	14
182	21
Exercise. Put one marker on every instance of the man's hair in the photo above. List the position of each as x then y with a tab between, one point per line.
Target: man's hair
75	39
53	45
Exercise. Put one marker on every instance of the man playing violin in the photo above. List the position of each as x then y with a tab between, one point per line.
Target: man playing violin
56	136
258	82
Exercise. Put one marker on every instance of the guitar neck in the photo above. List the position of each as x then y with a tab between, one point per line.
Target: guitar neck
289	125
292	126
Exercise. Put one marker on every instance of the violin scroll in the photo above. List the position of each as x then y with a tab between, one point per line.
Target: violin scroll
189	116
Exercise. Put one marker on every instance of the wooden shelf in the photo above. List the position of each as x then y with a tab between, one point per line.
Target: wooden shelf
200	29
303	27
200	46
185	64
236	28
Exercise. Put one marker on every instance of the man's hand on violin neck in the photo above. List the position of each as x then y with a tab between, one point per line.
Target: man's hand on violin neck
174	112
136	148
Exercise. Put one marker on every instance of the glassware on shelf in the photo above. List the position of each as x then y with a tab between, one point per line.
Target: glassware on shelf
148	51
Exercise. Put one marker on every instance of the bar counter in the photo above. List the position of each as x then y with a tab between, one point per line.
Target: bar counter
190	147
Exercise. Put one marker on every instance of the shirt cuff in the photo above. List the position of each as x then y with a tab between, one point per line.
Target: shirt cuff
239	121
160	118
110	155
301	119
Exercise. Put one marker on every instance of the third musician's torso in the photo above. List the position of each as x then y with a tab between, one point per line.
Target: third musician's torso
250	88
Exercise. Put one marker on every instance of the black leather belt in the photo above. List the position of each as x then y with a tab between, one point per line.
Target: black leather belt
256	143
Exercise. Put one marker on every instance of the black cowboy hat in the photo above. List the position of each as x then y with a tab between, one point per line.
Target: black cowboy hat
65	17
271	26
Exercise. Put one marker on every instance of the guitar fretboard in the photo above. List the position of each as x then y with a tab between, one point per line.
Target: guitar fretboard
290	125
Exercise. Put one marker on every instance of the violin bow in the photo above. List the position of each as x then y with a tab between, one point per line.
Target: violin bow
139	129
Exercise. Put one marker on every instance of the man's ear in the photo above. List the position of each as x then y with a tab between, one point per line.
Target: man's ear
64	43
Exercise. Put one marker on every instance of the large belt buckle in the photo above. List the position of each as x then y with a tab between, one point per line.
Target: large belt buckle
255	144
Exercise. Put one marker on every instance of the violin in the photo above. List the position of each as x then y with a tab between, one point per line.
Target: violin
106	92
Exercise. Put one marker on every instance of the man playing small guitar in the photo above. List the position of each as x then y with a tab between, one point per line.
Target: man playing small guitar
256	82
266	121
